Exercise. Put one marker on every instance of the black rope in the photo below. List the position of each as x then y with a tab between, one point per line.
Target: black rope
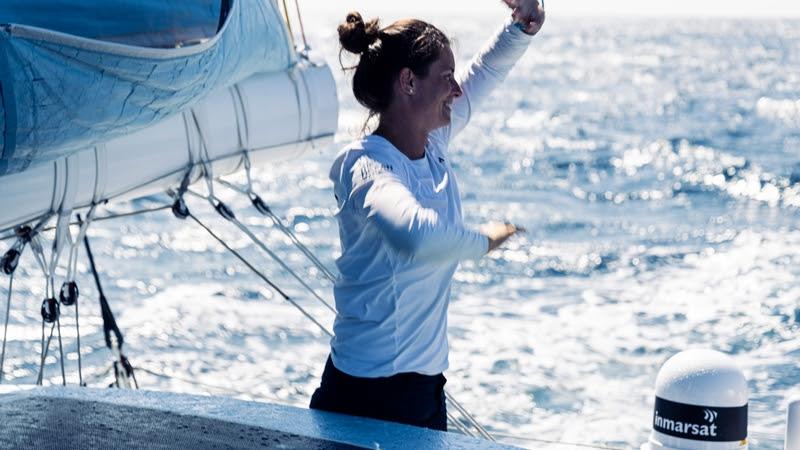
122	364
109	322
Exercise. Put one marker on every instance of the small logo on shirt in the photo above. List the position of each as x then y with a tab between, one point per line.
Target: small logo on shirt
441	160
366	169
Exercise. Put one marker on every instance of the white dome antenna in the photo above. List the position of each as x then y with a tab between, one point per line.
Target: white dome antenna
701	404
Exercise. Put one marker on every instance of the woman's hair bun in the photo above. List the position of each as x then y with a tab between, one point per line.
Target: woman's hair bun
355	35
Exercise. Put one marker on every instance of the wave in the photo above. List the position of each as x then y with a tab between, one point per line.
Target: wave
785	110
670	168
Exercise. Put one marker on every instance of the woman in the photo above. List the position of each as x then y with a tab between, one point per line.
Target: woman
400	219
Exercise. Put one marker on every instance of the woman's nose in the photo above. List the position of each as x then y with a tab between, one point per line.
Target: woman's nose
456	89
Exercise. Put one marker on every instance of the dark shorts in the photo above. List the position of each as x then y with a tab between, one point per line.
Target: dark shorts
409	398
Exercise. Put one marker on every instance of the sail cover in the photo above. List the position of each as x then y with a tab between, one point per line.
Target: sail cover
77	72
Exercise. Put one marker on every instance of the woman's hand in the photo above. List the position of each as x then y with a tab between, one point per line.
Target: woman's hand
528	13
497	233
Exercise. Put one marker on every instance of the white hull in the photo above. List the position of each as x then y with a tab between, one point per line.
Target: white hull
276	116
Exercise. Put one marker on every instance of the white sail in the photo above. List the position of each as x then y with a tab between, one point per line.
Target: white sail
273	116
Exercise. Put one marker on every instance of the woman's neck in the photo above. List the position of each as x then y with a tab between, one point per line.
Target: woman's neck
410	141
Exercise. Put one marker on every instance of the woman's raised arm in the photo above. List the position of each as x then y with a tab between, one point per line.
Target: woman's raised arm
492	64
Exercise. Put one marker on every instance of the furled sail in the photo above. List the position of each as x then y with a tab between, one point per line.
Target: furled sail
74	73
116	115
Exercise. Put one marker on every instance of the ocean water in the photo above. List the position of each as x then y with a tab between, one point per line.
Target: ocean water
656	167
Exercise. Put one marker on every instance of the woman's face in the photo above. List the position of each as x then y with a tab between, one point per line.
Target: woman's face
434	93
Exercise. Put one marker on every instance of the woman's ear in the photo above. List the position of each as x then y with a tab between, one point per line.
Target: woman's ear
406	81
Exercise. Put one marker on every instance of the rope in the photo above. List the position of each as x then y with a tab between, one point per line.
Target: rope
300	19
25	235
225	212
55	253
228	214
61	352
5	328
260	275
230	217
548	441
74	250
456	423
482	431
452	420
78	331
100	219
45	350
288	23
49	288
199	384
266	210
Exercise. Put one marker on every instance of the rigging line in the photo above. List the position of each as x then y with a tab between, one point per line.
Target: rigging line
128	214
288	23
549	441
45	350
469	417
5	328
300	20
61	351
74	252
38	252
36	228
458	406
277	259
247	170
481	430
260	275
100	219
78	331
207	162
204	385
456	423
244	229
280	225
55	254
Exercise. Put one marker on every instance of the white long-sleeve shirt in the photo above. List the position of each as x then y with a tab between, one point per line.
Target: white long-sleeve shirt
402	236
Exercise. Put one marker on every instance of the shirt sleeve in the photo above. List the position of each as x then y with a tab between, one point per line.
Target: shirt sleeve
385	199
485	72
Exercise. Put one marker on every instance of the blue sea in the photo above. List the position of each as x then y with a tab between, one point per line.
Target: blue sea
656	166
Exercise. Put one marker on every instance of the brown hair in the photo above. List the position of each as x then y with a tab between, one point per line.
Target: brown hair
384	52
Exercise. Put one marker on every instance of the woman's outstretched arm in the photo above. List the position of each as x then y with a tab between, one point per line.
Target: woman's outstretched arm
491	65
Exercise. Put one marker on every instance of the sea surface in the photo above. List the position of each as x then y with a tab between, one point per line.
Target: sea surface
656	166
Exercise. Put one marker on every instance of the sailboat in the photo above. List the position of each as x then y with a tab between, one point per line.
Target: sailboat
106	103
102	103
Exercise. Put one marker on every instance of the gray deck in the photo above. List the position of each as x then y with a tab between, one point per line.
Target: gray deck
72	417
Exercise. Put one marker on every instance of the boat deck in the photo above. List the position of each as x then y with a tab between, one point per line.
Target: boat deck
73	417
